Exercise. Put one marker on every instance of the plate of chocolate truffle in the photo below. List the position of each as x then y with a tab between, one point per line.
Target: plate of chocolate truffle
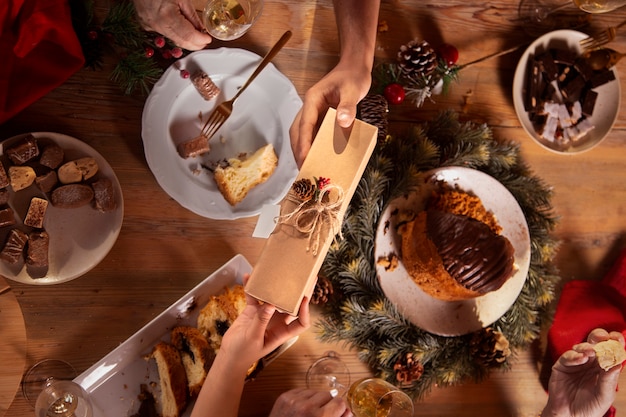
61	208
563	101
248	162
454	254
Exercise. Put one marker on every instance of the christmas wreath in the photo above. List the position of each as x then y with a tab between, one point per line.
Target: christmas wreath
354	308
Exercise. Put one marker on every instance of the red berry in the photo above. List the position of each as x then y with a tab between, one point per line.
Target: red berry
394	93
92	35
176	52
184	73
448	53
159	41
149	52
166	54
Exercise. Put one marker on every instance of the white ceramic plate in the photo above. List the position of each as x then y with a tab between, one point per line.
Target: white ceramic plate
175	112
79	238
606	107
453	318
114	382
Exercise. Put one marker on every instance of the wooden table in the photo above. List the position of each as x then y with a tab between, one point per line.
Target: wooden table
164	250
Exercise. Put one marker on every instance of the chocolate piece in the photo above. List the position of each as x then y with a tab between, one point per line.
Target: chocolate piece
589	102
205	86
37	250
4	178
194	147
7	217
36	212
23	151
4	196
104	195
573	89
532	86
72	196
46	182
548	66
14	246
583	67
52	156
21	177
564	56
601	78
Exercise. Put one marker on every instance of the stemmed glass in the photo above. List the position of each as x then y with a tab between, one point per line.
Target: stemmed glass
367	397
230	19
49	388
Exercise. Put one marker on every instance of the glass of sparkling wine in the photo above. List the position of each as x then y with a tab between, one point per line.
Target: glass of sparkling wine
230	19
49	388
543	15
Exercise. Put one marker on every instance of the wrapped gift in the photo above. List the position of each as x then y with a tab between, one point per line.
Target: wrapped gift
311	214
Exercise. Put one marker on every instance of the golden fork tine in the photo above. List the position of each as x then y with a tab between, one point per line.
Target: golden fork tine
213	122
600	39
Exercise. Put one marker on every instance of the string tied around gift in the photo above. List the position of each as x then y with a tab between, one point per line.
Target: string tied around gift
310	216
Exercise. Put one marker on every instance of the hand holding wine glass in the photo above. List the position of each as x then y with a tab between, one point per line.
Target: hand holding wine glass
230	19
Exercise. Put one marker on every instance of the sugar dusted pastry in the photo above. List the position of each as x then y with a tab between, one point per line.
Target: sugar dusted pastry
205	85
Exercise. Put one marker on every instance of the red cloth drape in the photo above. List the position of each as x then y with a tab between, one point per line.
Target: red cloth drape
39	50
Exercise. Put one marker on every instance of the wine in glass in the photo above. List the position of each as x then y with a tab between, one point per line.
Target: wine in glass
230	19
367	397
49	388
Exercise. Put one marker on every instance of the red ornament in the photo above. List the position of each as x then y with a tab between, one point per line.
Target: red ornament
185	74
92	35
448	53
176	52
149	52
159	41
394	93
166	54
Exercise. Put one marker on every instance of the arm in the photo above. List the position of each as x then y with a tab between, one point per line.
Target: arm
348	82
307	403
578	387
175	19
256	332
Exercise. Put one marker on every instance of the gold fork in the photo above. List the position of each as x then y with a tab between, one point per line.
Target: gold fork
224	110
600	39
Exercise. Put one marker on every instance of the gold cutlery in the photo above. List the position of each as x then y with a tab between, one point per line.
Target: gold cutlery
224	110
601	38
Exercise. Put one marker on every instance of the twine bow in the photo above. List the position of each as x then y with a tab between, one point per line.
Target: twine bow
310	216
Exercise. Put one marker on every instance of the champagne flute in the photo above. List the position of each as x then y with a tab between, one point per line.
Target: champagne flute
367	397
49	388
230	19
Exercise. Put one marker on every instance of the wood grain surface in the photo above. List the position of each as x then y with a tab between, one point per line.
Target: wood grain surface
164	250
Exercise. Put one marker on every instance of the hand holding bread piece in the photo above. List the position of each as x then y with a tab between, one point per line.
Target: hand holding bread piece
609	353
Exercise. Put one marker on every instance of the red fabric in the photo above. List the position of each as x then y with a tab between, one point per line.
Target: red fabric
586	305
39	51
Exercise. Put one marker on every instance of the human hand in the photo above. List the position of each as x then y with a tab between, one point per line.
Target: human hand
260	329
302	402
342	88
578	387
175	19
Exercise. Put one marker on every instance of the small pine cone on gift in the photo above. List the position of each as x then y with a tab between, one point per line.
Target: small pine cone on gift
304	189
489	347
322	292
408	370
417	58
373	109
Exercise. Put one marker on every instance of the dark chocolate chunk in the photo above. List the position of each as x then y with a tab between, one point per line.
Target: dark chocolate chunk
601	78
573	89
46	182
548	66
52	156
14	247
533	89
588	102
104	195
564	56
23	151
4	177
37	250
4	196
7	217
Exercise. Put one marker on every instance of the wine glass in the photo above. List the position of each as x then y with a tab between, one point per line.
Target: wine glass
230	19
367	397
49	388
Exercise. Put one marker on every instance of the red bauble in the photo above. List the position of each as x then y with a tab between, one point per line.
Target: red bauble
394	93
159	41
149	52
448	53
176	52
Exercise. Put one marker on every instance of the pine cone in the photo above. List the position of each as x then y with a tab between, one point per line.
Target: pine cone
373	109
489	347
408	370
304	189
323	291
417	58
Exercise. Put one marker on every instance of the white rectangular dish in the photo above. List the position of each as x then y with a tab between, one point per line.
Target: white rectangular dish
114	382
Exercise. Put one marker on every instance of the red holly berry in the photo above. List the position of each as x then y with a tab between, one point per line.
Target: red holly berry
185	74
322	182
394	93
149	51
92	35
448	53
176	52
166	54
159	41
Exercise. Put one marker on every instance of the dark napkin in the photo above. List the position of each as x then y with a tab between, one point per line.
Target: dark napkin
39	50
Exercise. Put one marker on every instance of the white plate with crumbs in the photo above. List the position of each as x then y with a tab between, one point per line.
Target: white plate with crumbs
175	112
79	237
452	318
114	382
606	106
